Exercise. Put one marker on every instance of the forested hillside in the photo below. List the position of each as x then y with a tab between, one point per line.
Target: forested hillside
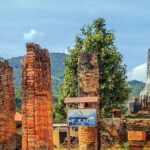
57	67
136	87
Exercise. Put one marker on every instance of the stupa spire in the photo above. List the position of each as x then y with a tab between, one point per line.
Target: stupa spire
148	65
145	93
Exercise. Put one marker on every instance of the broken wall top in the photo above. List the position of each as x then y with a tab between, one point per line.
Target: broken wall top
88	74
36	52
4	64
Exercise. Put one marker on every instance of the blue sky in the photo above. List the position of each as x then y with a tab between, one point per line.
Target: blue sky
54	23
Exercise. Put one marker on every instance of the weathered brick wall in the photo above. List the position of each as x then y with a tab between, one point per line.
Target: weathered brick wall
7	108
88	82
37	100
88	75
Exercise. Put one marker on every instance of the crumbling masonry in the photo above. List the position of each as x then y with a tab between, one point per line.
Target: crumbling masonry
7	108
88	82
37	100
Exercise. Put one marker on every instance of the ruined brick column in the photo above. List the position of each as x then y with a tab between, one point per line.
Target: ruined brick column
37	126
88	86
7	108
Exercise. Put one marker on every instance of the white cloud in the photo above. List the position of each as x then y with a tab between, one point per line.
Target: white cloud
138	73
32	34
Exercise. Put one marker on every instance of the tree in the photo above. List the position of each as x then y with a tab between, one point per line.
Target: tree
18	98
113	87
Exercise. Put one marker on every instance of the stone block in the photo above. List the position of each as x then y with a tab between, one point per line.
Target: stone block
136	136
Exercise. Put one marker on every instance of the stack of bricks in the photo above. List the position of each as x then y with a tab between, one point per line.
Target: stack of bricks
37	126
7	108
88	84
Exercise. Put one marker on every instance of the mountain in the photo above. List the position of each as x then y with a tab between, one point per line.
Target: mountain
57	68
136	87
15	62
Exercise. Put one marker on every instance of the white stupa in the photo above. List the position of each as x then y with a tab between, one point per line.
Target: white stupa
145	93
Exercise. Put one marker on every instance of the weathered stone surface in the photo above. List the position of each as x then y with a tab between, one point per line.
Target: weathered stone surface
138	124
114	132
7	108
88	78
137	145
37	100
88	82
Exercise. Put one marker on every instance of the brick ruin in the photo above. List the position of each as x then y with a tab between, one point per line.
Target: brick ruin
138	124
7	108
37	124
88	85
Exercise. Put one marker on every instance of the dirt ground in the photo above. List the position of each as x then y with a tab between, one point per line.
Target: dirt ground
63	149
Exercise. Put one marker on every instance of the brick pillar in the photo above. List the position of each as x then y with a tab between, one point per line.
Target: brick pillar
88	85
7	108
37	126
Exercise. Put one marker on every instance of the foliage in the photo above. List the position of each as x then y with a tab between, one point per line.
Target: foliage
18	98
113	88
126	146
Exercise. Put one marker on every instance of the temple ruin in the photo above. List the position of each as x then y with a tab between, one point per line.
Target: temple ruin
7	108
88	86
145	93
37	124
